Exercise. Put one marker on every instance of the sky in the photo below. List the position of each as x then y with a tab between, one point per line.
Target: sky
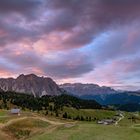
88	41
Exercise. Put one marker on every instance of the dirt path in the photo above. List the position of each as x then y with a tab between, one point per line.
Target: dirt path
47	120
35	117
53	122
122	117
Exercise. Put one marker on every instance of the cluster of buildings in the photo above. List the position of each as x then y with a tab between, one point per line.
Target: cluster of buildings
110	121
106	121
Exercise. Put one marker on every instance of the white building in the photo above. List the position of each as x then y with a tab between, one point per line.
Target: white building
15	111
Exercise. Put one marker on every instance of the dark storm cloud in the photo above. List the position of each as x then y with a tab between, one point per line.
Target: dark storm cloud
90	17
70	65
66	70
16	19
82	20
24	59
101	12
24	7
12	33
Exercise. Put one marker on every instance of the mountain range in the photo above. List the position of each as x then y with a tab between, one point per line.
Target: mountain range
40	86
103	95
80	89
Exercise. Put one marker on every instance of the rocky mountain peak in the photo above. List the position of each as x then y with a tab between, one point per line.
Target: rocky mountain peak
31	84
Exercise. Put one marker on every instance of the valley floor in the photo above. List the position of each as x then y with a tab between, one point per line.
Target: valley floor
31	126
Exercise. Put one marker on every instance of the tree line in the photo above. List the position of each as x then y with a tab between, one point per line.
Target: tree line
49	104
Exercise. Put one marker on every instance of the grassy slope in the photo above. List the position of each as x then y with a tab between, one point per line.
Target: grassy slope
129	122
126	130
100	114
89	131
25	128
3	112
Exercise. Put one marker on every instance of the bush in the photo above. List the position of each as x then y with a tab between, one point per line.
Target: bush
65	115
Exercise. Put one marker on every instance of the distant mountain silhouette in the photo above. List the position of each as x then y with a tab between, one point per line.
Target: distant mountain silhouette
80	89
103	95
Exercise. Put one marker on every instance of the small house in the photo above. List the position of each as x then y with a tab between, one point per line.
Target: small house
15	111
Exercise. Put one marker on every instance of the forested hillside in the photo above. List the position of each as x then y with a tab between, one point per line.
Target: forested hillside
52	103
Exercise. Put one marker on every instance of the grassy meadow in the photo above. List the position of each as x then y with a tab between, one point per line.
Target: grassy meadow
32	126
93	113
90	131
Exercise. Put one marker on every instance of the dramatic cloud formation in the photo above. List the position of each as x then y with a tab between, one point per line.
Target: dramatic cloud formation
72	40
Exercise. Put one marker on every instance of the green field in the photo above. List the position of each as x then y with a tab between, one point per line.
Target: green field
3	112
33	126
99	114
89	131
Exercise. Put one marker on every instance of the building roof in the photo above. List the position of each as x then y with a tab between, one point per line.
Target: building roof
15	111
